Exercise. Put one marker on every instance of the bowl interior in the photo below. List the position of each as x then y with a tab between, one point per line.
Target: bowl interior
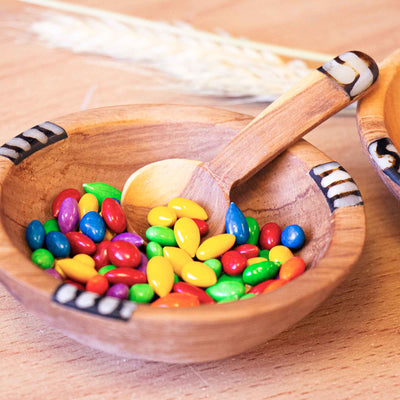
392	101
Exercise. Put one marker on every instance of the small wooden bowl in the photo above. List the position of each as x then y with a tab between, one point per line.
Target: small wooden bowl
301	186
378	119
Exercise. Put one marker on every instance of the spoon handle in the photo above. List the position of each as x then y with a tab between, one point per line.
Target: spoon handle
311	101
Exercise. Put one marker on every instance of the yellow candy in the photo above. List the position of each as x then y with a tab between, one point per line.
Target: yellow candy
88	202
160	275
177	257
85	259
187	208
199	274
161	216
280	253
247	288
76	270
59	270
255	260
215	246
109	234
187	235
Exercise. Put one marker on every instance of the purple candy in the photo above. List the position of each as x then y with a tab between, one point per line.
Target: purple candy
142	267
53	273
129	237
119	290
68	216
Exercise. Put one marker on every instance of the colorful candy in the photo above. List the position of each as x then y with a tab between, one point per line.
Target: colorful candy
80	243
58	245
293	237
43	258
76	270
162	235
199	274
292	268
97	284
257	273
280	254
183	287
236	224
176	300
215	246
141	293
102	191
128	276
233	262
160	275
123	254
68	216
119	290
187	208
162	216
177	257
93	225
113	215
226	290
187	235
88	202
55	207
35	234
129	237
254	230
270	236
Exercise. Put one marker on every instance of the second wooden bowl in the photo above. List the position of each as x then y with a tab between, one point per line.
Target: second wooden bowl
301	186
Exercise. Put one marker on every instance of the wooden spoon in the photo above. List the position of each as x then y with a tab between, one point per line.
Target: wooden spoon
315	98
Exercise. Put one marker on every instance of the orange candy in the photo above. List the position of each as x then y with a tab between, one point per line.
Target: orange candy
292	268
177	300
275	285
98	284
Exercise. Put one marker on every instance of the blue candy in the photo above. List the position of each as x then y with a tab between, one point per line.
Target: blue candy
293	237
35	234
236	224
58	245
93	225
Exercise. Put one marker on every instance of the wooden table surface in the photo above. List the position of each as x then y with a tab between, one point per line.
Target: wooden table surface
348	348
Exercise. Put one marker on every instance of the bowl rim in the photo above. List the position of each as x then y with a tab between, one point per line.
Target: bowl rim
374	134
340	255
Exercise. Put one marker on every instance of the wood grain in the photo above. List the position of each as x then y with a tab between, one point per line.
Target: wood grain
348	348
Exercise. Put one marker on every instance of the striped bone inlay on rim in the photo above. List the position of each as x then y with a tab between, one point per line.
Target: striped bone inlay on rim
111	307
32	140
354	71
337	185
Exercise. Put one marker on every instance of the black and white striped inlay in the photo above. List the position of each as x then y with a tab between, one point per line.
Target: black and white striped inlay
386	157
70	296
32	140
354	71
337	185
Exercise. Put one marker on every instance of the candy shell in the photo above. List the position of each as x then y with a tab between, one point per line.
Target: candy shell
270	235
160	275
199	274
113	215
80	243
226	290
293	237
128	276
177	257
187	208
187	235
256	260
68	216
142	267
202	225
226	277
161	216
76	270
183	287
100	257
51	225
291	269
257	273
85	259
129	237
162	235
55	207
60	271
215	265
97	284
153	249
101	191
141	293
275	285
54	273
247	296
119	290
215	246
92	225
105	269
258	289
43	258
123	254
88	202
280	254
248	250
236	224
176	300
58	245
254	231
233	262
35	234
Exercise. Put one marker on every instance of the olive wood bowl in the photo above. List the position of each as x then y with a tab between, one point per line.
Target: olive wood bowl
378	120
301	186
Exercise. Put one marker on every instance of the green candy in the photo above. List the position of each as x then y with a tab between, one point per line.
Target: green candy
102	190
260	272
51	225
254	230
162	235
226	290
176	278
105	269
247	296
215	265
226	277
264	253
141	293
153	249
228	299
43	258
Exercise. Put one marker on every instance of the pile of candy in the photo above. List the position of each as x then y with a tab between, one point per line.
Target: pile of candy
86	244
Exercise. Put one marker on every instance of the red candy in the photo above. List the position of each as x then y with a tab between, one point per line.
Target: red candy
270	236
113	215
202	225
248	250
80	243
292	268
233	262
55	207
176	300
183	287
258	289
97	284
101	257
275	285
123	254
127	276
78	285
